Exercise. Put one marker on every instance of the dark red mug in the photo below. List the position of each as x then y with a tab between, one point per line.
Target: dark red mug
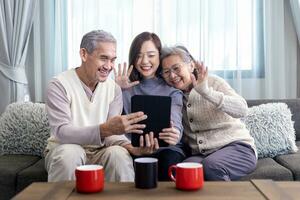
189	175
89	178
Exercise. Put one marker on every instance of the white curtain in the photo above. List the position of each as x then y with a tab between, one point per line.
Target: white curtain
295	7
15	25
251	43
212	30
276	51
280	50
48	48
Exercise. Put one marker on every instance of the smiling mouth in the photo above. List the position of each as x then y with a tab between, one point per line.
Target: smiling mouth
103	72
176	80
146	68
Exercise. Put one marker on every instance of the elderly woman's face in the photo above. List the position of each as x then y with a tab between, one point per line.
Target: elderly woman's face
176	72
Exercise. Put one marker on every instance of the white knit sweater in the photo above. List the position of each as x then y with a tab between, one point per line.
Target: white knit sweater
85	112
211	117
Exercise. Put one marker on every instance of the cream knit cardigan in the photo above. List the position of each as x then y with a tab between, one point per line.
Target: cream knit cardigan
211	117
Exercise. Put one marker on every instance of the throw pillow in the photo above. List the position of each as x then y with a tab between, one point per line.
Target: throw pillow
24	129
272	128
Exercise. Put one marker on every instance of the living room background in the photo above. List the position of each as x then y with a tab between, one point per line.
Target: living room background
251	43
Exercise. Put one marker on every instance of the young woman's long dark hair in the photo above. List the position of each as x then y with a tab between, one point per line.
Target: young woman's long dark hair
135	50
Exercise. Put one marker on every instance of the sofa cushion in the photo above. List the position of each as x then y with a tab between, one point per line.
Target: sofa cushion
272	129
10	166
267	168
293	104
34	173
24	129
292	162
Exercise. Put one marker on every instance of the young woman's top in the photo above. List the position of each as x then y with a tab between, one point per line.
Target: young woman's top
157	86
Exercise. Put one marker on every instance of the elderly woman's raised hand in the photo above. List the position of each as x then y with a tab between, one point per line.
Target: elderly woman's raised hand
122	76
202	73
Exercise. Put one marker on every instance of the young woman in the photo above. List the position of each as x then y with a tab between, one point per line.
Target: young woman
143	78
212	128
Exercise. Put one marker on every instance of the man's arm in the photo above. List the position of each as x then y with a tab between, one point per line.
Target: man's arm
60	120
59	115
115	109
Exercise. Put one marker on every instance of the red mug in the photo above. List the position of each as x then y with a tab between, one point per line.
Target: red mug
89	178
189	175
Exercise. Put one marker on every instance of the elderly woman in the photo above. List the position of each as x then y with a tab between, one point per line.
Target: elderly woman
212	128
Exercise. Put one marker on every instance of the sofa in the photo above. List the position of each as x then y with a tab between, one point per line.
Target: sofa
18	171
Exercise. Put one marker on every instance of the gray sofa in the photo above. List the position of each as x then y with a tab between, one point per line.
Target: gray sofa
18	171
283	167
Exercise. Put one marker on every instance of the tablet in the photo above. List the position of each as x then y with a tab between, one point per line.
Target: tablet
158	110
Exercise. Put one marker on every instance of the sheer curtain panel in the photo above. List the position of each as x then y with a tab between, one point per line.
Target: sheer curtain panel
250	43
48	48
15	24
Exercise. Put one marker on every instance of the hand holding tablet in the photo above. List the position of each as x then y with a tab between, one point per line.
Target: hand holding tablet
158	110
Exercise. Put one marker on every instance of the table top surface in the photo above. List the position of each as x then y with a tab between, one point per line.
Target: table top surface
254	189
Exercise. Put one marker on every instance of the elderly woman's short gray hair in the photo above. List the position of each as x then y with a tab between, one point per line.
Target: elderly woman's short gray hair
175	51
91	39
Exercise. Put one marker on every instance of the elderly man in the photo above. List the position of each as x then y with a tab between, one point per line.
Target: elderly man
84	107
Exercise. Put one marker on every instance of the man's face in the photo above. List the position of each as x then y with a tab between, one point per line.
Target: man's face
100	62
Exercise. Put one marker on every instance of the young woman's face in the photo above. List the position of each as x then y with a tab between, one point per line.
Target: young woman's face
176	72
147	60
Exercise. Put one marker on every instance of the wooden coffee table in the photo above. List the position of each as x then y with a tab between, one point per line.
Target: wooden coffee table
254	189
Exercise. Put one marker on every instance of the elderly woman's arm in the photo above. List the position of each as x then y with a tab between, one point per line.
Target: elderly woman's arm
219	93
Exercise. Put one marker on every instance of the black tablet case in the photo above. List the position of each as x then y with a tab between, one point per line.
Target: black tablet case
158	110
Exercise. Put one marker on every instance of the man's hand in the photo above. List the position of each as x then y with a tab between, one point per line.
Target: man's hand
150	148
121	124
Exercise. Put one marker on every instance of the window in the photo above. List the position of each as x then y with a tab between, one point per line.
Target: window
226	35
